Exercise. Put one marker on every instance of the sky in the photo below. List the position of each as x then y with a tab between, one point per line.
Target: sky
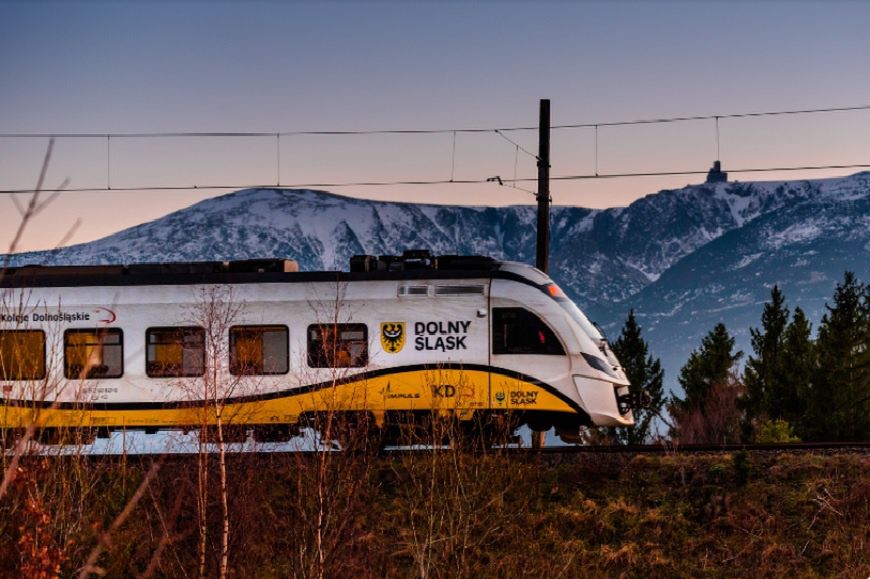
145	67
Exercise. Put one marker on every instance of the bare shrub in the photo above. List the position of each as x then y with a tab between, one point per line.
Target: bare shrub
716	421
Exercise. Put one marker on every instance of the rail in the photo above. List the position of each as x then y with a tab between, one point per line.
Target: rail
669	448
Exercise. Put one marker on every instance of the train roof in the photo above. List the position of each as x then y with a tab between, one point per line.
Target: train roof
411	265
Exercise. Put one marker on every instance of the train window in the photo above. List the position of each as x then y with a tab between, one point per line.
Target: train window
519	331
22	355
175	352
258	350
338	345
93	354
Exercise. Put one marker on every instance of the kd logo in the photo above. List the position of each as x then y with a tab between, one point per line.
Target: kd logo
392	336
444	391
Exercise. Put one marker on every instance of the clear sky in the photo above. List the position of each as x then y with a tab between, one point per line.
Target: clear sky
109	67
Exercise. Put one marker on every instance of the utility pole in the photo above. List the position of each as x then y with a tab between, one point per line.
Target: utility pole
543	249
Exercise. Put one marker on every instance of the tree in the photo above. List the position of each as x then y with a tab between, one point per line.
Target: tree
710	411
708	365
840	395
767	392
798	368
645	374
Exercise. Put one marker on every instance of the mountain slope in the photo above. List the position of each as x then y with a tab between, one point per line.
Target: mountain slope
600	256
804	247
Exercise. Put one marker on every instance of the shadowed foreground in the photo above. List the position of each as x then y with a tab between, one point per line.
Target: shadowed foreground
449	514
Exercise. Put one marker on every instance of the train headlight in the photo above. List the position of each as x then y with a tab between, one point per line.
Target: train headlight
599	364
554	291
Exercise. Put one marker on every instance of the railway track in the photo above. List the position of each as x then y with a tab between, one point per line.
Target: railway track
705	448
247	450
821	447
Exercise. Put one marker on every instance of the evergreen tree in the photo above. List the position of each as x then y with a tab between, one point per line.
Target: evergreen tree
645	374
767	391
706	367
840	396
798	368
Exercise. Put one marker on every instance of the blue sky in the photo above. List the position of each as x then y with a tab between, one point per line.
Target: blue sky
263	66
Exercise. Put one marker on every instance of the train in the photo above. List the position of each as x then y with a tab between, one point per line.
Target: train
261	345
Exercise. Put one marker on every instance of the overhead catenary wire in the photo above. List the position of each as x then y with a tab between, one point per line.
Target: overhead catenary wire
453	159
278	159
590	125
590	177
517	145
516	162
108	161
596	149
454	132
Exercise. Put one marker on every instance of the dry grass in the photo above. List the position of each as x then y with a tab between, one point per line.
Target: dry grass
450	514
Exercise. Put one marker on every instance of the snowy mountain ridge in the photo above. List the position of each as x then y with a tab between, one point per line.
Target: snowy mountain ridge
633	244
679	257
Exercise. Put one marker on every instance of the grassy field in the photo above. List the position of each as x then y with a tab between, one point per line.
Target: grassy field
447	514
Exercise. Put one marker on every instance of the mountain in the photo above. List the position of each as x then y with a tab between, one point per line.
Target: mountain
804	247
683	258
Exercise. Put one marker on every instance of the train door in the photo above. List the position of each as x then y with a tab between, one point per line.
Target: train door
527	357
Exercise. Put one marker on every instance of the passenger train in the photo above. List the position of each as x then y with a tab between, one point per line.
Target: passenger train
163	346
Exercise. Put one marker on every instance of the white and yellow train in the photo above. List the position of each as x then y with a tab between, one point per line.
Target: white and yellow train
163	346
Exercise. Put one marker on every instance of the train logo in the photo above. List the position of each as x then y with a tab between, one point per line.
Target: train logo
393	336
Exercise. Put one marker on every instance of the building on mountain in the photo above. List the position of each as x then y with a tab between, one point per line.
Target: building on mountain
716	174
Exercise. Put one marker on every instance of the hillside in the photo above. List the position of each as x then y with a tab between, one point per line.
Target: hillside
447	514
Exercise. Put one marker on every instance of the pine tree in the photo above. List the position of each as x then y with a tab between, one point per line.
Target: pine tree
840	396
798	369
707	366
645	374
767	392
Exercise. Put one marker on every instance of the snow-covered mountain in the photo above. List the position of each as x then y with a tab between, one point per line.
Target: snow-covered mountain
804	246
682	258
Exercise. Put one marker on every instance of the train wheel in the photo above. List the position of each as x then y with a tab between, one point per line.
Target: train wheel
275	433
484	432
231	433
358	433
9	437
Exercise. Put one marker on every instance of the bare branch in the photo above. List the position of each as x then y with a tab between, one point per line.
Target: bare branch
38	209
70	232
106	538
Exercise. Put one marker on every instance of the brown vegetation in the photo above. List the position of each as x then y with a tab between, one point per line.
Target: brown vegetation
447	514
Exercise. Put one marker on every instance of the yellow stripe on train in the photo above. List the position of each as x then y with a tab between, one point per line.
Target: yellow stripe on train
461	392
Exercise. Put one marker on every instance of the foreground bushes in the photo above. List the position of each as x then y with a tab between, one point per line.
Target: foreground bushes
451	515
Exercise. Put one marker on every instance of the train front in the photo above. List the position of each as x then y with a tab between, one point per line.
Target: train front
588	372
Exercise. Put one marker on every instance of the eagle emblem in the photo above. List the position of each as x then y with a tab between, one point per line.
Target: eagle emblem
392	336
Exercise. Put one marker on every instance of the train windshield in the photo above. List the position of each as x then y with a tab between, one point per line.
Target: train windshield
588	327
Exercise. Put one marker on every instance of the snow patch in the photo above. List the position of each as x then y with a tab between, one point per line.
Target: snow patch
794	234
746	260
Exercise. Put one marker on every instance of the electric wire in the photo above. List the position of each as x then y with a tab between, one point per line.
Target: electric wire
229	134
718	154
453	159
499	131
516	163
596	149
108	161
707	117
584	177
517	145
